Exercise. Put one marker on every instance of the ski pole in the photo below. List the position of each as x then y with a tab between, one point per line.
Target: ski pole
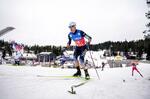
93	62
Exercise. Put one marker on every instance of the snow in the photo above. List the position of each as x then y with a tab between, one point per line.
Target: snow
29	56
45	53
96	57
22	82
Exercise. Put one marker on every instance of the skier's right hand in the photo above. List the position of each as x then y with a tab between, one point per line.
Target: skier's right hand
68	46
87	44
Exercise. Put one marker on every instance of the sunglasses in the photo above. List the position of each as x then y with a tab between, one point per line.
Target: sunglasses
71	26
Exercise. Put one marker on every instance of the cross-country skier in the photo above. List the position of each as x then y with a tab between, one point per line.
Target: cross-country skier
78	36
4	54
135	68
103	65
17	58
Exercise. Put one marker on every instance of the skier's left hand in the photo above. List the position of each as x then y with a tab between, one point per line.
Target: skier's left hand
89	42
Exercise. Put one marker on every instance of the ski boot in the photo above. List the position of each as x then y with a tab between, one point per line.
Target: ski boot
78	73
87	76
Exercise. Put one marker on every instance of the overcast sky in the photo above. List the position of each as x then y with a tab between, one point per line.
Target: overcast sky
45	22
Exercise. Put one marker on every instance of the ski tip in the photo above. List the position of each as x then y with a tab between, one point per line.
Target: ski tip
72	92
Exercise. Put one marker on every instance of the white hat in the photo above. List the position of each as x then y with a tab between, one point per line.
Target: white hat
72	24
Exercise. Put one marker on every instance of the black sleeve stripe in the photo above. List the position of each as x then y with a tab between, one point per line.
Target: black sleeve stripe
69	42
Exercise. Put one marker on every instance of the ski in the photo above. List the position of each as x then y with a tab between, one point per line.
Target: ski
72	91
62	77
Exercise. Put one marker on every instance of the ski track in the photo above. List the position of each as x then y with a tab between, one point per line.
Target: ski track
21	82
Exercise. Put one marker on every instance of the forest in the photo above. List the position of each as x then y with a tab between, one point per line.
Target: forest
138	46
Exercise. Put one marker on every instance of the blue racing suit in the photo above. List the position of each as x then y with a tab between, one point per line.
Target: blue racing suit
80	49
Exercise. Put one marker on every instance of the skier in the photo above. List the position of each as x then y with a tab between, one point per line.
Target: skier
17	58
103	65
4	54
1	58
135	68
62	61
78	36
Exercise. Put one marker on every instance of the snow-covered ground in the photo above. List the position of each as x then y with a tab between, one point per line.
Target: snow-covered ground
23	82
